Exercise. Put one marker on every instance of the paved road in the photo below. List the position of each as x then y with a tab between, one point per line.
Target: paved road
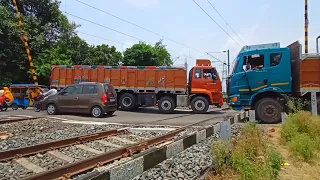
140	116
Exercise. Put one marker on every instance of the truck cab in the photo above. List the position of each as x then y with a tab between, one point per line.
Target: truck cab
260	79
204	83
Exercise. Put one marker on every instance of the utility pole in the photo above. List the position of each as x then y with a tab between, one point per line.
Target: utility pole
306	24
228	61
24	38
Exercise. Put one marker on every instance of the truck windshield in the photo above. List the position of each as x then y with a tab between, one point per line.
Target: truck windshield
235	65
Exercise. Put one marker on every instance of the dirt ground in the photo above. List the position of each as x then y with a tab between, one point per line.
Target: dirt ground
296	169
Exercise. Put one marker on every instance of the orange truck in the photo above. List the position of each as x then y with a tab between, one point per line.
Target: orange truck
165	86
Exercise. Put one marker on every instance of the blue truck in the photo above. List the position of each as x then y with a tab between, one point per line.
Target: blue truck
265	76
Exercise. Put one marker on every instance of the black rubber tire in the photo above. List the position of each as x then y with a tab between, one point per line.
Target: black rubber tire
95	112
260	110
129	107
4	108
55	110
109	113
24	107
170	102
204	102
14	107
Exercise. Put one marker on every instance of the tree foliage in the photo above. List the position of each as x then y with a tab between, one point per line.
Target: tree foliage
53	40
142	54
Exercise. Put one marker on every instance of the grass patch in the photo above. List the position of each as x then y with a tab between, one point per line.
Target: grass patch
251	157
302	134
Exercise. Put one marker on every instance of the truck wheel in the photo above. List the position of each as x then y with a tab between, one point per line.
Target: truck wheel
166	105
199	105
127	101
268	110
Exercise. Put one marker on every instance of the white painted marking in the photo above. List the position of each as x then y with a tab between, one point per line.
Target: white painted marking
24	116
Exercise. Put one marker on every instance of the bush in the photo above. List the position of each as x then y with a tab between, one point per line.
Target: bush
303	146
251	157
221	156
274	160
289	130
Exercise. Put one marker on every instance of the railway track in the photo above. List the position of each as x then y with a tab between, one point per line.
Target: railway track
12	119
70	157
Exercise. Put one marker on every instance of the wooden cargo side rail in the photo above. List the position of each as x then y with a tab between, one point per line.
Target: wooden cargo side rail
150	79
7	155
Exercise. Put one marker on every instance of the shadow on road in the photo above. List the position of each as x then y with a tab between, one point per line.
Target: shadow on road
176	111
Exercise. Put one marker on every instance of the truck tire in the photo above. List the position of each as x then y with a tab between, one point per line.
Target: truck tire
199	105
166	105
268	110
127	101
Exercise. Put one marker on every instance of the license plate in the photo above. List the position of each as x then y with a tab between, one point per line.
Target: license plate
112	100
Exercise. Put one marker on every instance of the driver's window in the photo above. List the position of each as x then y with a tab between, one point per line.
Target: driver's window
253	62
72	90
208	74
198	74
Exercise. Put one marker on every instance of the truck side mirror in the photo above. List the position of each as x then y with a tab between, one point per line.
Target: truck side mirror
214	77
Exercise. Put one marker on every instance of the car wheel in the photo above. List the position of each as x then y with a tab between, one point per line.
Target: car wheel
14	107
166	105
24	107
110	113
199	105
52	109
96	112
127	101
268	110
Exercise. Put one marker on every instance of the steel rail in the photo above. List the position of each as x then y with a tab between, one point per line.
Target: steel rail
17	120
69	170
16	153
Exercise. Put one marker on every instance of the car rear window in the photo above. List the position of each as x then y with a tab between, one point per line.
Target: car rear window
109	88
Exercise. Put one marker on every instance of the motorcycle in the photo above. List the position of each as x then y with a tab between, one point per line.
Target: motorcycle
4	105
37	107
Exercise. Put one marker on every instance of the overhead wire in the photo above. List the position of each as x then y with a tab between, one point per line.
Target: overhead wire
128	44
225	21
217	23
136	25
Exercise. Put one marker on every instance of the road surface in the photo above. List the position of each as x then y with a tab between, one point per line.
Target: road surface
141	116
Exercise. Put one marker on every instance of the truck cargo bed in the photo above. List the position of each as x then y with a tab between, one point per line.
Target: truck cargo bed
310	73
305	70
135	78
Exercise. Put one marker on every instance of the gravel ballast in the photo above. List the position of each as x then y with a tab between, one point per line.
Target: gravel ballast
188	164
33	139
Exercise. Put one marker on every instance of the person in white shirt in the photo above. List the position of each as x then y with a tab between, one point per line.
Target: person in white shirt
51	92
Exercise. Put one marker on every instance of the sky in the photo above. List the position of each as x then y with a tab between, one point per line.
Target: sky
188	32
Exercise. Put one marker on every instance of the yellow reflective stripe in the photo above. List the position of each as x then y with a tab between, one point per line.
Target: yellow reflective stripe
254	89
280	84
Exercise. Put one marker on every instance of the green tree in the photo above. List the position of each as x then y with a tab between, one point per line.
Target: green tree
45	27
142	54
104	55
162	54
